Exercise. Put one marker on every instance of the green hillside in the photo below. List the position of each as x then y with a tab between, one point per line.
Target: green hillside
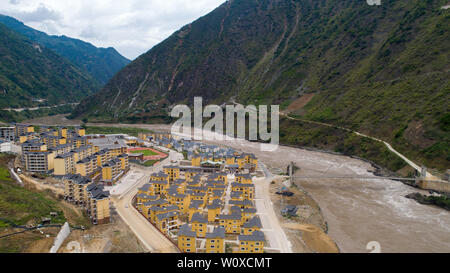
100	63
381	70
31	75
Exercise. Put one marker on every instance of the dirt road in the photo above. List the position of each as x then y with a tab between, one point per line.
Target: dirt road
151	237
271	225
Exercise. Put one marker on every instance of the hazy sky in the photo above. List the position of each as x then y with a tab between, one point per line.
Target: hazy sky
130	26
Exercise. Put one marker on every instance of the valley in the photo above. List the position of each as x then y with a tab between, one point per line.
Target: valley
356	211
354	156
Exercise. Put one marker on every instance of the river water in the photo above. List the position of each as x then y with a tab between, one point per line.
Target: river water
358	211
362	211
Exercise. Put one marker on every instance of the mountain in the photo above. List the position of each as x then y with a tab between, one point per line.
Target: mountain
382	70
100	63
32	75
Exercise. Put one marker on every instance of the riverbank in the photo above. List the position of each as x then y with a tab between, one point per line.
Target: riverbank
438	201
356	211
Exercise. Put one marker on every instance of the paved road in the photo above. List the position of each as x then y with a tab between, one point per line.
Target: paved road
150	236
264	206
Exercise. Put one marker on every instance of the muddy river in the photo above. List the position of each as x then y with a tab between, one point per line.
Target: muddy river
359	211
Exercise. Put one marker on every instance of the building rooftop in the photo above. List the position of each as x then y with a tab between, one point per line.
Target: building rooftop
186	230
233	216
218	233
78	179
198	218
257	236
195	204
254	222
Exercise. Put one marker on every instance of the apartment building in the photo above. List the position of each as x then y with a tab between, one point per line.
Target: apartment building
39	161
195	206
75	188
251	225
65	164
187	239
111	171
167	221
214	210
248	190
199	224
87	166
7	133
253	243
231	222
98	204
215	241
23	129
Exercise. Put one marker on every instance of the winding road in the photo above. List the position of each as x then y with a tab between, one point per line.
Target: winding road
389	146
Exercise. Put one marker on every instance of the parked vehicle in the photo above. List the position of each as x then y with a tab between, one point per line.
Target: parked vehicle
285	193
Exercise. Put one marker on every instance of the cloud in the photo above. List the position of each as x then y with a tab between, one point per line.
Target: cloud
132	26
41	13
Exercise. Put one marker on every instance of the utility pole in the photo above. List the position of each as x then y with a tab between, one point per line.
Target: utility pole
423	173
291	173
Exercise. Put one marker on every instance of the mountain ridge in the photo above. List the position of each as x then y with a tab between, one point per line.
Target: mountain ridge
100	63
381	70
32	75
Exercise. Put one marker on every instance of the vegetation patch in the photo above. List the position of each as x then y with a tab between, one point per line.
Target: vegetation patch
116	130
144	152
440	201
303	134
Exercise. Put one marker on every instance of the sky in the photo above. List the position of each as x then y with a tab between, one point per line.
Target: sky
132	27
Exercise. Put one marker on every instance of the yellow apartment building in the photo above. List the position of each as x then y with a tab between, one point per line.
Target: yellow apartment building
196	161
194	207
161	176
22	129
143	198
173	172
199	225
98	204
157	187
167	221
215	241
253	243
231	222
80	131
187	241
111	171
214	210
181	200
248	190
87	166
243	178
75	188
251	225
63	132
64	164
124	162
39	162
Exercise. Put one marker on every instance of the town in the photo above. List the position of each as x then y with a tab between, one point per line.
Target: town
204	203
